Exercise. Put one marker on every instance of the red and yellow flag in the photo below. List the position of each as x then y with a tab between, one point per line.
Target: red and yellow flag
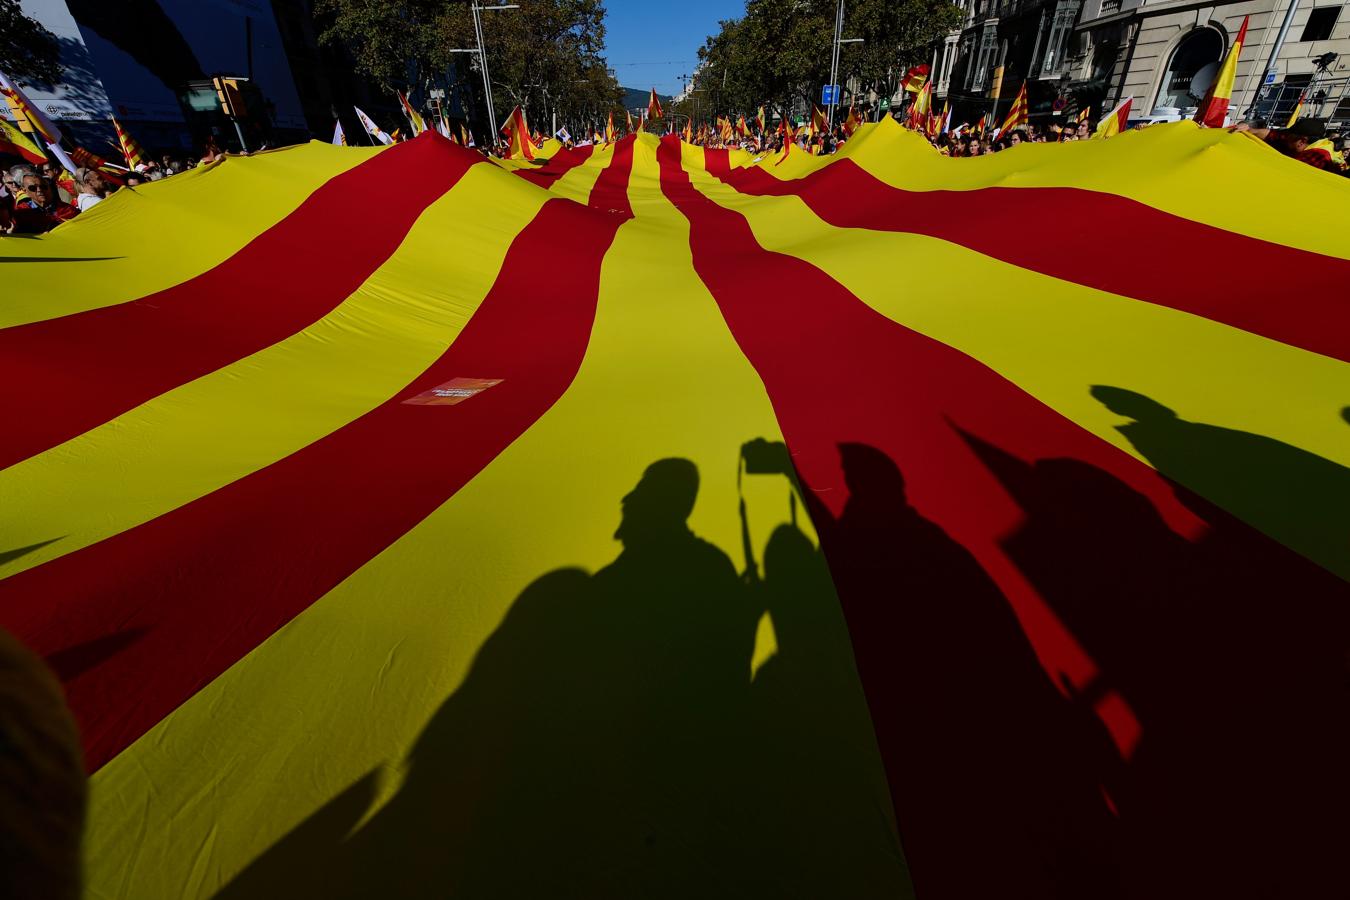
654	106
742	129
1083	114
28	115
16	143
760	120
383	571
688	131
132	151
609	127
852	121
919	109
1113	123
1298	110
515	129
415	120
1017	113
819	123
915	78
1213	110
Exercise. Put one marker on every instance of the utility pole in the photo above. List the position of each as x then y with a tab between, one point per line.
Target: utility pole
1254	92
834	61
477	12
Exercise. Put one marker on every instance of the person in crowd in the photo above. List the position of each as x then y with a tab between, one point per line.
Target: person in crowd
1294	142
987	144
134	179
1013	139
40	210
93	189
1082	132
973	146
15	183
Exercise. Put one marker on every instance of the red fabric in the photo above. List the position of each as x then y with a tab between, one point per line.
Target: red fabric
1316	318
947	501
310	522
145	347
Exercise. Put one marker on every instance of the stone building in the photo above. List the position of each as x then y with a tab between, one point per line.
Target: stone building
1165	54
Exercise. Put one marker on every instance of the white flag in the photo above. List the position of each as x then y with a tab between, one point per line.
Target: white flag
371	128
339	138
562	135
62	157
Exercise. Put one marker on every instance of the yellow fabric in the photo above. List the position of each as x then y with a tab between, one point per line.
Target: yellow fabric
321	721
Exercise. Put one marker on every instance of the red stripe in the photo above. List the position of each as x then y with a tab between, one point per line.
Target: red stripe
1072	228
203	585
944	495
557	166
61	377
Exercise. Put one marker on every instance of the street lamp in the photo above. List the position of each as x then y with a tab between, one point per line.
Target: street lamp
834	59
476	11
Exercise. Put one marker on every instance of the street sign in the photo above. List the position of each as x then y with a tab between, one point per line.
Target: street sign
1270	78
829	93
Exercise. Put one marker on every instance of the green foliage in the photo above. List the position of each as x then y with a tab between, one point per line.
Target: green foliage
28	52
544	56
780	49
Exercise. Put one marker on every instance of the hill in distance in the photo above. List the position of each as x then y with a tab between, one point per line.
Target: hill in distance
635	98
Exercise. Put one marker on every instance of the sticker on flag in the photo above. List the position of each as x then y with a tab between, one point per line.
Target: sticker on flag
456	390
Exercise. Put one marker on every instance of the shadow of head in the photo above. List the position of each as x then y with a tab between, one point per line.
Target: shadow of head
871	476
1131	405
660	503
1345	414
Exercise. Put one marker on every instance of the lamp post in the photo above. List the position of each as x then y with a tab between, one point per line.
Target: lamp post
834	59
476	11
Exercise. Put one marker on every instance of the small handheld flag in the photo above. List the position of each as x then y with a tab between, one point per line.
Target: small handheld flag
1113	123
1213	110
654	106
339	137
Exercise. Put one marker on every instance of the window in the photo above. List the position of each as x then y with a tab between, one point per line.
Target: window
1320	22
987	41
1056	51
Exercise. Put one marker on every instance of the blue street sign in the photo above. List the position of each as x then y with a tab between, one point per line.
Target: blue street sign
829	93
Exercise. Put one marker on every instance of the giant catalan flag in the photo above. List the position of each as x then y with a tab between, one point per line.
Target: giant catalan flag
665	522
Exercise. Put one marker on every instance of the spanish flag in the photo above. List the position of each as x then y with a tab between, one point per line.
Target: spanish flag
760	120
853	120
1083	114
1298	110
609	127
918	110
688	131
915	78
16	143
819	124
1213	110
741	128
135	154
522	147
1017	114
1113	123
980	126
654	106
629	117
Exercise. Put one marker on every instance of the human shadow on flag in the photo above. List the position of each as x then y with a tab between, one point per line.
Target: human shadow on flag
613	738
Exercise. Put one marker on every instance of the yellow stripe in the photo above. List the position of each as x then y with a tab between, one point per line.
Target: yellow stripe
346	688
209	432
149	238
1055	339
1230	181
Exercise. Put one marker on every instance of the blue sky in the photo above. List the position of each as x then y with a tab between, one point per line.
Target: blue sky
651	44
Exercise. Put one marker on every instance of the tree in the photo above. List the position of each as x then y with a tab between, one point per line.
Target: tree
28	52
779	51
544	57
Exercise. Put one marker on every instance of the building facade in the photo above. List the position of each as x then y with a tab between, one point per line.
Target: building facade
1001	45
1164	55
1161	53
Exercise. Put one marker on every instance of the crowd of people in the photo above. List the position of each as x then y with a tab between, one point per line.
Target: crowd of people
34	199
